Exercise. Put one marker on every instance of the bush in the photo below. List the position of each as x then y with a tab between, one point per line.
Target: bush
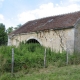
24	57
28	56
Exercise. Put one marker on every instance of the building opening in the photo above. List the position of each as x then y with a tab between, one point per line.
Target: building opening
32	41
33	44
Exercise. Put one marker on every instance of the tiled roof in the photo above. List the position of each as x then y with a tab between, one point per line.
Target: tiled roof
54	22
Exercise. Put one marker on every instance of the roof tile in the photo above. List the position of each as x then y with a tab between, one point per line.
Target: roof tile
53	22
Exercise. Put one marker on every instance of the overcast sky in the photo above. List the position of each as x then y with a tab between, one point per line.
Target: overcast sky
14	12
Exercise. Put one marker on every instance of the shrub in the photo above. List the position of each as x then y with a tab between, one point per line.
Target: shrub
31	56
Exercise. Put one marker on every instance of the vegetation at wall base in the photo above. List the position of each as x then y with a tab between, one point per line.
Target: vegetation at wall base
30	57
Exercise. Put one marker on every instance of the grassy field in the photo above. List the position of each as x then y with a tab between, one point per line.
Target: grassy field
29	64
51	73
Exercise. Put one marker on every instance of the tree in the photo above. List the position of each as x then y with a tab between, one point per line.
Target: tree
3	34
18	26
9	30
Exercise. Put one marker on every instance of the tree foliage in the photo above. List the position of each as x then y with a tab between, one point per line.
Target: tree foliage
9	30
3	34
18	26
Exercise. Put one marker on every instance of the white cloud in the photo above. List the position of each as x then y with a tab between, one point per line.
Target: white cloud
42	11
25	16
46	10
7	22
74	0
1	17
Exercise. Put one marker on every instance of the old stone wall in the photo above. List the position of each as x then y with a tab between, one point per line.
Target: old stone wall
57	40
77	37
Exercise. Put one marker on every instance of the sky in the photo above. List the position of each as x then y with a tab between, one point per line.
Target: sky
15	12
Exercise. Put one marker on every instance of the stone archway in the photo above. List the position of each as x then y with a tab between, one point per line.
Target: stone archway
33	40
33	44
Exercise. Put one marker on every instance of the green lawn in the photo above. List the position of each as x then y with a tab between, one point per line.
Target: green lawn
53	73
50	73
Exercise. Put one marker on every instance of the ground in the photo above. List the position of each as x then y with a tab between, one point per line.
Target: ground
70	72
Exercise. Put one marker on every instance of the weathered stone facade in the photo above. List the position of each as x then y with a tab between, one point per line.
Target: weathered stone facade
77	37
57	40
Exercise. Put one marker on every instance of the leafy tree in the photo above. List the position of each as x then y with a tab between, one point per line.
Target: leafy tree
9	30
3	34
18	26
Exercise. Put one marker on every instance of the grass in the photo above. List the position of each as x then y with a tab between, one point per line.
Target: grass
55	73
50	73
29	64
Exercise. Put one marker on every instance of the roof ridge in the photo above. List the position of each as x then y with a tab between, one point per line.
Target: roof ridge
57	21
51	16
54	16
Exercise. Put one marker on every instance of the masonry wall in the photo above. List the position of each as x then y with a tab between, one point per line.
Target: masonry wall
77	37
57	40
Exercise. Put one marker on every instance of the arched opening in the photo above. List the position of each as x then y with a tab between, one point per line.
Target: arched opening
32	41
33	44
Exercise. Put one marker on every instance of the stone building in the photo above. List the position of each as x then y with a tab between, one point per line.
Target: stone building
61	32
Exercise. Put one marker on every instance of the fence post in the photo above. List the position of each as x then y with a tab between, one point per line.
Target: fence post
67	58
12	68
67	52
45	58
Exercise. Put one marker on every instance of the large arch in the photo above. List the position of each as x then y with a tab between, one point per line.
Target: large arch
33	40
